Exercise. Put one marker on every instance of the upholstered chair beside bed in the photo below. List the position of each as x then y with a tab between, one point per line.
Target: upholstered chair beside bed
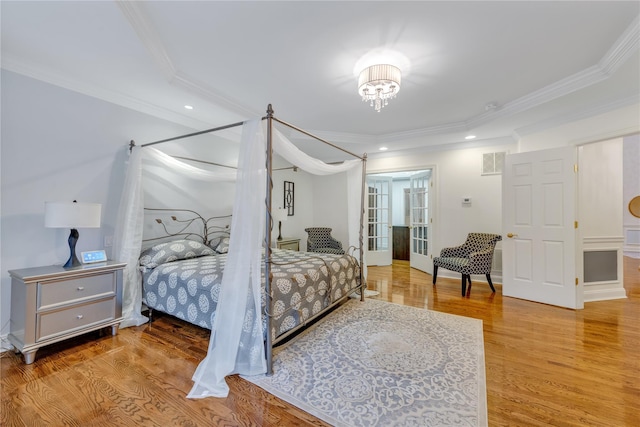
321	241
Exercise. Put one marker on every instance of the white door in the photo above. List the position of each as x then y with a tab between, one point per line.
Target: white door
379	220
420	253
539	229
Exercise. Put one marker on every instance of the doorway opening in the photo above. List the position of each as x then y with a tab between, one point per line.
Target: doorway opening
399	216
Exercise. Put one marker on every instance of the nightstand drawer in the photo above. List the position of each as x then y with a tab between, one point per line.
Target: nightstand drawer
65	321
52	303
52	293
291	244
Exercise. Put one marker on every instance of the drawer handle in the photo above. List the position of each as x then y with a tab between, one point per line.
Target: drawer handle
81	288
79	316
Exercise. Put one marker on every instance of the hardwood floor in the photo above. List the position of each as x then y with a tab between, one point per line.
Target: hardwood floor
545	366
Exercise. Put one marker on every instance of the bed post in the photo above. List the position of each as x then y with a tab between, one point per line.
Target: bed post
267	250
363	283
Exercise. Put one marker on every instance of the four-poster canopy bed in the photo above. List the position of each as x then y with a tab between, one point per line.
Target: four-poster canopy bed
245	300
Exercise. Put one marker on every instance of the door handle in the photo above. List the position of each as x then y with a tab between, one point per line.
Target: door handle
511	235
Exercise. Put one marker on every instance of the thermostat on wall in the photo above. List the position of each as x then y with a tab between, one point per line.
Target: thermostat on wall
90	257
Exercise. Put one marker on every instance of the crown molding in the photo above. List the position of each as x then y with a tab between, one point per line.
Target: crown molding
575	116
351	138
461	126
606	136
503	141
40	73
149	37
205	91
137	18
626	45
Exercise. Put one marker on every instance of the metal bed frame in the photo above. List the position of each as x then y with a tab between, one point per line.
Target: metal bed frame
270	118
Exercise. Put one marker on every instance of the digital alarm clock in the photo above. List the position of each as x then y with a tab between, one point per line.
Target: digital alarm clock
90	257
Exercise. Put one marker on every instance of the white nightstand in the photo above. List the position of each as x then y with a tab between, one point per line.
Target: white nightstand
290	243
50	304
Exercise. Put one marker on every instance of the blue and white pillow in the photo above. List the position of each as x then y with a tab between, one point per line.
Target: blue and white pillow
223	246
173	251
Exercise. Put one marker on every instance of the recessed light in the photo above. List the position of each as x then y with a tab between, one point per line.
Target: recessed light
188	107
383	148
469	137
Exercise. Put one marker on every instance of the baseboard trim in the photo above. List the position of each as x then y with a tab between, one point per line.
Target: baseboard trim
5	345
604	294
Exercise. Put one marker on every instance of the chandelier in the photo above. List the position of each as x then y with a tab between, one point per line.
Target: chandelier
378	84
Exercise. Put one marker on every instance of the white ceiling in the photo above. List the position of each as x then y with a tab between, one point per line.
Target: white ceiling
539	62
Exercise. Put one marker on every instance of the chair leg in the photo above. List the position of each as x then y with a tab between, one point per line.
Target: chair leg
464	284
435	273
490	283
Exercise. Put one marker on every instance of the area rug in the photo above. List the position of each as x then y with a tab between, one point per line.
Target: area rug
375	363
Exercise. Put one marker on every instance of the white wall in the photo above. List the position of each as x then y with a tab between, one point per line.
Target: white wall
303	204
600	184
397	200
600	216
59	145
330	205
457	174
631	189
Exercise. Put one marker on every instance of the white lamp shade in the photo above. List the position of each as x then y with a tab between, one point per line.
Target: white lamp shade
279	214
72	215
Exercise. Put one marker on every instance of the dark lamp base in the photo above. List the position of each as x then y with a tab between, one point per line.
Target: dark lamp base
73	259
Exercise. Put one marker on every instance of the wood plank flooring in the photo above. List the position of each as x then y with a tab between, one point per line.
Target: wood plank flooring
545	366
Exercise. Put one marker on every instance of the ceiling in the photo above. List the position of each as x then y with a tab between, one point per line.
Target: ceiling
492	69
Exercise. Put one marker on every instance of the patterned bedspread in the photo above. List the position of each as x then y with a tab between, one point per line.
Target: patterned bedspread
302	284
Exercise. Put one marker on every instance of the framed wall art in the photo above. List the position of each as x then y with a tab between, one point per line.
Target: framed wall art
288	197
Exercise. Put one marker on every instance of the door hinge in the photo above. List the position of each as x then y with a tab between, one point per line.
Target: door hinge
576	281
575	168
575	224
431	220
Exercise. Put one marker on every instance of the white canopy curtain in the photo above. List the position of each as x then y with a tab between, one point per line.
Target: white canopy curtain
236	344
129	226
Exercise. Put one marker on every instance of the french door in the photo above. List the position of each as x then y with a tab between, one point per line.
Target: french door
379	220
420	253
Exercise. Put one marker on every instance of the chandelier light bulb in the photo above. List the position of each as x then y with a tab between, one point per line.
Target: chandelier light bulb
379	83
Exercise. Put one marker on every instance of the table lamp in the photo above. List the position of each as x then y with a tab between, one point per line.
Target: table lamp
72	215
280	215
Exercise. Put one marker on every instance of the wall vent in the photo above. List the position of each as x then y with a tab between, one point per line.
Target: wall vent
600	266
492	163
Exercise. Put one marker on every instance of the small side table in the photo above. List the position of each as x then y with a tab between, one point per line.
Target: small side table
290	243
51	303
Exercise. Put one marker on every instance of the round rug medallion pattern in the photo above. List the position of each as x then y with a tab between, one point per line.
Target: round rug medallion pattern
382	364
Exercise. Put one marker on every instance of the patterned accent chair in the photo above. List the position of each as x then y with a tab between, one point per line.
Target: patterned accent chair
475	256
321	241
